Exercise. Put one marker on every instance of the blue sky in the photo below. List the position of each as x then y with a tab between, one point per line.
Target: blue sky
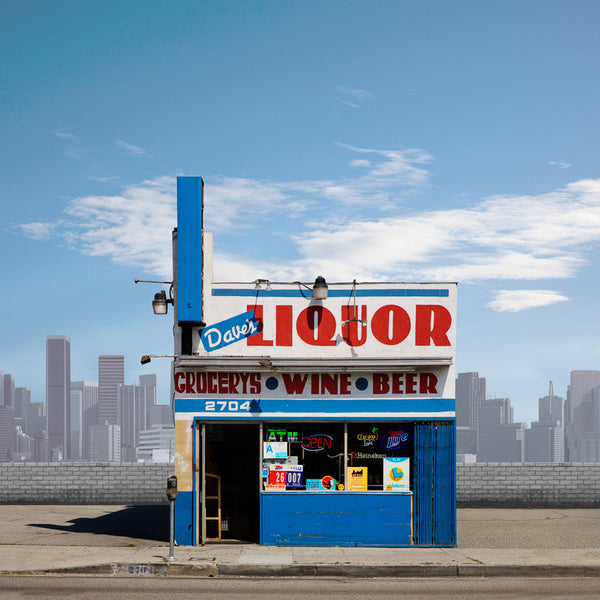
389	140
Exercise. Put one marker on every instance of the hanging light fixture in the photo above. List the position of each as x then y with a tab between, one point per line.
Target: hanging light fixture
320	288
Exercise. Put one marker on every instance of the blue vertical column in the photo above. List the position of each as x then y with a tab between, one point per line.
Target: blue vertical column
190	207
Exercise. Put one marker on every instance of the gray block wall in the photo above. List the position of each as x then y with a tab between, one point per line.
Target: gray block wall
528	485
506	485
84	483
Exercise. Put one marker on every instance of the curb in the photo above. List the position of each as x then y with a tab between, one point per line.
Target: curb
295	570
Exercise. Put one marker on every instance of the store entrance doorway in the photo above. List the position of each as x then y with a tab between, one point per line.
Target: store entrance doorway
232	482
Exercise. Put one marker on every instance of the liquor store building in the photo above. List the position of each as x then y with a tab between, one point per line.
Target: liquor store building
310	414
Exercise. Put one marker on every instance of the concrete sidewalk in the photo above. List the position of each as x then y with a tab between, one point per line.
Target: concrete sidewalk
131	541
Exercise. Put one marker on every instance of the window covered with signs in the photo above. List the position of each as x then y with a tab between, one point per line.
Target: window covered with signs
379	456
303	456
337	456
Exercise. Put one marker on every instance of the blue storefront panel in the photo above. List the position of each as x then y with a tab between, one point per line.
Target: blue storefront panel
336	519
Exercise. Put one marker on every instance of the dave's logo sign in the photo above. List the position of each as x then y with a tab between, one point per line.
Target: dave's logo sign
229	331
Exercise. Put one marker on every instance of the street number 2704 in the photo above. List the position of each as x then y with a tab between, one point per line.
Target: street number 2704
226	406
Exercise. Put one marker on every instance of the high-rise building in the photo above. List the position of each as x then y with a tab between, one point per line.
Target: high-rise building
22	402
132	399
89	410
582	436
35	418
111	373
41	447
545	440
500	439
160	414
105	443
9	389
8	433
76	425
470	394
150	382
58	394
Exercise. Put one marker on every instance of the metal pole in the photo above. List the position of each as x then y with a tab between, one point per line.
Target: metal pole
171	530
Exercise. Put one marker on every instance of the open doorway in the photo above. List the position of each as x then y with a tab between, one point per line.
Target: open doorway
232	482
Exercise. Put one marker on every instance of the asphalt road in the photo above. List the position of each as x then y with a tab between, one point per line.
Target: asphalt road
106	588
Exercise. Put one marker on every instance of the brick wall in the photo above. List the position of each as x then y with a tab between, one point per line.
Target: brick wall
528	485
84	483
478	485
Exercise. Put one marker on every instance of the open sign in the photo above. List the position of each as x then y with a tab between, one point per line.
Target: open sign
316	442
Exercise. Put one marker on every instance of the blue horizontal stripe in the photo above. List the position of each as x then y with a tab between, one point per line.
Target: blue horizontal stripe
301	408
438	293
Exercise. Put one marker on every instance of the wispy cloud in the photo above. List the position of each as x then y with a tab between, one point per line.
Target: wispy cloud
39	230
66	136
517	300
560	164
336	227
106	179
352	97
130	148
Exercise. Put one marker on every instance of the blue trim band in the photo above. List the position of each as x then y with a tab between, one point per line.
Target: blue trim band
438	293
325	408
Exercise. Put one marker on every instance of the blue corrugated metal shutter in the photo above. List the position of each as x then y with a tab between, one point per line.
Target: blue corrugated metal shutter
435	484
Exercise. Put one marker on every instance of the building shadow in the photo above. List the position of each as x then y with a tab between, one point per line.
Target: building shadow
141	522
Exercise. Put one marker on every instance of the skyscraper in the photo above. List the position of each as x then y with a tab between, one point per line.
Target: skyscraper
500	438
132	399
111	373
470	394
105	443
545	441
9	390
89	410
58	393
583	437
76	424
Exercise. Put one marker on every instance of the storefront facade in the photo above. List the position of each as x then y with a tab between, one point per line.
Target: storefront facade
307	421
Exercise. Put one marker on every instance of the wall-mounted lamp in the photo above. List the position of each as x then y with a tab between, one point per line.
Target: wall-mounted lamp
320	288
160	304
258	283
148	357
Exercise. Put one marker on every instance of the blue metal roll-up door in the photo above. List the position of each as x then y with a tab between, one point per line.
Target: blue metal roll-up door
435	484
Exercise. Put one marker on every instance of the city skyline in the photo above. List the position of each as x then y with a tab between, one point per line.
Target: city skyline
387	141
141	377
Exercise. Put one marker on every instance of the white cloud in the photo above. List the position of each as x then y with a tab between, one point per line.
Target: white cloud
560	164
352	97
66	136
355	93
130	148
512	238
39	231
517	300
107	179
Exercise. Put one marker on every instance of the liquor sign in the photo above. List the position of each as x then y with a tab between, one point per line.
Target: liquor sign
366	320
